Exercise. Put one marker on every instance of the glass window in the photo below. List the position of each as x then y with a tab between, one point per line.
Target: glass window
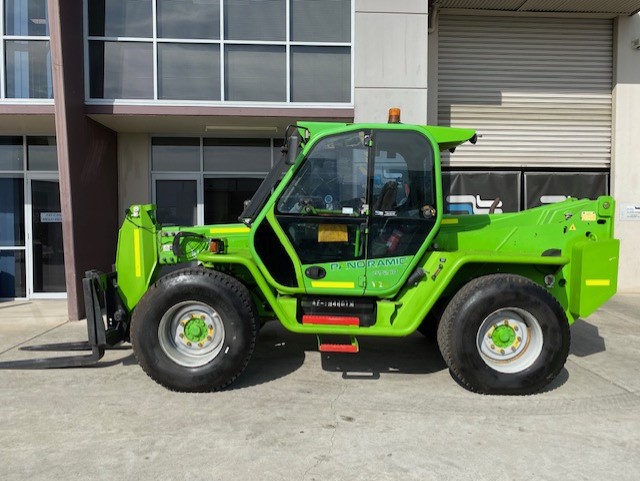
11	153
255	20
121	70
320	74
28	69
42	153
175	154
120	18
237	155
26	17
333	178
277	150
13	279
255	72
403	174
189	19
177	202
403	199
321	20
11	211
188	71
224	198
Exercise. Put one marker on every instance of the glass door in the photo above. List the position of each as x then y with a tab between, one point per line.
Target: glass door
13	278
46	248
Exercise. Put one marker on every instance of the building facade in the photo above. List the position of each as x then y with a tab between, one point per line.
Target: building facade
105	103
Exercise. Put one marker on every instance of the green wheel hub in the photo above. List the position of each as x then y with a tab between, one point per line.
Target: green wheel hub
509	340
503	336
191	333
195	330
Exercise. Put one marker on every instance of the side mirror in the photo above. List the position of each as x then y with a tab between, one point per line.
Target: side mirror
292	149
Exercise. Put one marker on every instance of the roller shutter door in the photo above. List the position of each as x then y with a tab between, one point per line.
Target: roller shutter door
538	90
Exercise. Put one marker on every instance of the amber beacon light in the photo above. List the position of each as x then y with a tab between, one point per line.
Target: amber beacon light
394	115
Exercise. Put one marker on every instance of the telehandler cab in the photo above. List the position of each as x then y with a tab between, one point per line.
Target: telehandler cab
347	236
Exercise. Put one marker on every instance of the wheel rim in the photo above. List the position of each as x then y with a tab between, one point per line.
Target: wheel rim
509	340
191	334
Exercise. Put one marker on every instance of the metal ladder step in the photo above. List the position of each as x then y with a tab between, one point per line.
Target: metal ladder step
351	347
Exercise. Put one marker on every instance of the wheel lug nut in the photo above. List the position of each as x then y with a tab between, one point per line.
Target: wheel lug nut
515	328
501	351
200	344
181	336
189	343
492	346
519	339
209	338
513	348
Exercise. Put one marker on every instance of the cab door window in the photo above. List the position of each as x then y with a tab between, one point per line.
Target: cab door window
403	195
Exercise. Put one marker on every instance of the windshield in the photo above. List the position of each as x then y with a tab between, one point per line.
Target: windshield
259	199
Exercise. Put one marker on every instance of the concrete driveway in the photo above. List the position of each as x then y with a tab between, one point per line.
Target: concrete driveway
391	412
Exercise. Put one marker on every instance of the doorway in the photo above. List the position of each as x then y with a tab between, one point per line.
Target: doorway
44	233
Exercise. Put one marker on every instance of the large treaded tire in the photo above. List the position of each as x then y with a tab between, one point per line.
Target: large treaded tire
228	298
473	304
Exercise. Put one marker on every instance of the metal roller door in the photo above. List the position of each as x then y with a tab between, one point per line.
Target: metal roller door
538	90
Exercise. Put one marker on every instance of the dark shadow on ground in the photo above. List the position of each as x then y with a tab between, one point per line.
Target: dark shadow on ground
409	355
562	378
129	360
278	353
585	339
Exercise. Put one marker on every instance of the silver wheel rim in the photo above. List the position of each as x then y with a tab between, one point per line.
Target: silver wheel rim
180	345
509	340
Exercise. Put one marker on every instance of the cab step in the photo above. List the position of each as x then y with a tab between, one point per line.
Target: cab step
333	345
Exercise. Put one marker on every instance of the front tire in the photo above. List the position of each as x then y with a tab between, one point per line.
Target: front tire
194	330
504	334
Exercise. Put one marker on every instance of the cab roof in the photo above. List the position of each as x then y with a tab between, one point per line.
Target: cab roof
446	137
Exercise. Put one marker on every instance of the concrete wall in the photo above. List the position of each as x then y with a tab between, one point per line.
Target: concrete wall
625	171
86	159
390	51
133	171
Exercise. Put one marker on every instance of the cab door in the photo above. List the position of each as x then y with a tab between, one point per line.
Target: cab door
403	207
324	214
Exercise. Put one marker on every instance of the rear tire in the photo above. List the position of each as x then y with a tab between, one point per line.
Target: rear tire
194	330
504	334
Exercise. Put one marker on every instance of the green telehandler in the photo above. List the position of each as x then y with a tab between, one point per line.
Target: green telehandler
347	237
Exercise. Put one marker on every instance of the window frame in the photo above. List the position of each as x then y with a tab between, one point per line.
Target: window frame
155	40
27	176
200	175
4	38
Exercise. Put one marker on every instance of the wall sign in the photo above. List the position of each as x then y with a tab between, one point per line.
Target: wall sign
630	211
48	217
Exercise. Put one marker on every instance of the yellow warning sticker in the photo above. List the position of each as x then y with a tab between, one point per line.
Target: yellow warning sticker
573	227
333	233
588	216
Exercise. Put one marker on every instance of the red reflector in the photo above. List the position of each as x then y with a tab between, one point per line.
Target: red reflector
338	348
331	320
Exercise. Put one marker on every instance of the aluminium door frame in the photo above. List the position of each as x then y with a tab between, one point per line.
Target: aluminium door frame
28	220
